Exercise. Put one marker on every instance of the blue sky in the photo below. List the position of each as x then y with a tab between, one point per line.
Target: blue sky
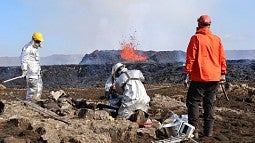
82	26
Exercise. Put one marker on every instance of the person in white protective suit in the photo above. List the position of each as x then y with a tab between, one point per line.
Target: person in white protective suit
30	65
128	84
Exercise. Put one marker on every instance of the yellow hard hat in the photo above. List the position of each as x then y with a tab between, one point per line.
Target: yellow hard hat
38	36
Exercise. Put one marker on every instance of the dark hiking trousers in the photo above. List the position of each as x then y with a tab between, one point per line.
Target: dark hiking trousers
202	92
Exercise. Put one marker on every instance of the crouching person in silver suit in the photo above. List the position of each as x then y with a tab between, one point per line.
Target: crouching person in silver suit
128	84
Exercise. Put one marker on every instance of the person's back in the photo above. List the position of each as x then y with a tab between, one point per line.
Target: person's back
207	64
134	90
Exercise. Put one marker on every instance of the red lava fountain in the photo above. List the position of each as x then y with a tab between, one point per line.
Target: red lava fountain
129	53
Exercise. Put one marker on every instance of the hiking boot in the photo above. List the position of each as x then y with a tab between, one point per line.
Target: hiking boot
35	99
196	136
208	134
138	116
208	128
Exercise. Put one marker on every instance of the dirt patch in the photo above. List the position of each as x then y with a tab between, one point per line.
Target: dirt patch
234	118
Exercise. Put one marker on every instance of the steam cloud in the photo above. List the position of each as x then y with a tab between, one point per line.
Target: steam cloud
98	24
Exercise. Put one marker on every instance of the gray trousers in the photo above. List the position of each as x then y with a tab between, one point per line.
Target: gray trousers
34	88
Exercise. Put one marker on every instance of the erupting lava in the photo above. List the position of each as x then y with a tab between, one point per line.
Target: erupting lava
129	53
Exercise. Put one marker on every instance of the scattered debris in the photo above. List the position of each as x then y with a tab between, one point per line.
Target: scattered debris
88	123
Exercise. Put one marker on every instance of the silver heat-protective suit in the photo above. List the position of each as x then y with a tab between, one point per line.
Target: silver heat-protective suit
30	62
129	85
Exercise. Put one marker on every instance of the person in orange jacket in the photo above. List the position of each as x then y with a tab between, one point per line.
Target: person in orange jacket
205	67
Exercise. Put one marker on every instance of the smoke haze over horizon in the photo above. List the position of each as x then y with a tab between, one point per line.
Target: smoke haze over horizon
82	26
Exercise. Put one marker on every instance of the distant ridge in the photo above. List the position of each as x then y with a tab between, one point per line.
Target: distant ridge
49	60
113	56
240	54
58	59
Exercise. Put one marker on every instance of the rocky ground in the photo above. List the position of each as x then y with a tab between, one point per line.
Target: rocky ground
19	124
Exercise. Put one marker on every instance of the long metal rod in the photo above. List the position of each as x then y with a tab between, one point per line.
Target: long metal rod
40	110
13	79
157	88
224	91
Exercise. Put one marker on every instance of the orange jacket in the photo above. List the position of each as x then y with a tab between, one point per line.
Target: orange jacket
205	57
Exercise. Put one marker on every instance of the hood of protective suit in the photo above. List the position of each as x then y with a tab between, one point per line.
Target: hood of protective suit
204	31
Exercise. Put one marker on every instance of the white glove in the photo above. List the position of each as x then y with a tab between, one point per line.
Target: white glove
223	78
24	73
